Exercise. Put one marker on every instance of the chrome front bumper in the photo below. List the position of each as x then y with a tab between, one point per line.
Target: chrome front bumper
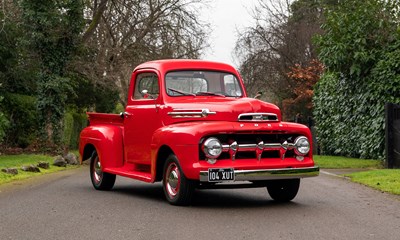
269	174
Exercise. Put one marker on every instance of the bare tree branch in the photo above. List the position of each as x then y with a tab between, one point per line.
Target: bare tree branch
280	39
133	31
97	13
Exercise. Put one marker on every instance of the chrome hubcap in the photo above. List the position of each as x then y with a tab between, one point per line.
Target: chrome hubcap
172	180
97	173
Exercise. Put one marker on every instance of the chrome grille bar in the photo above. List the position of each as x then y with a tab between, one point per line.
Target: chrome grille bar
253	147
259	148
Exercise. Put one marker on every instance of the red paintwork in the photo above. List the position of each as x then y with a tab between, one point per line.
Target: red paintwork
130	146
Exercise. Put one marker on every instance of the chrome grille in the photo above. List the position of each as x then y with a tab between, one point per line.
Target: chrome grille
258	117
254	146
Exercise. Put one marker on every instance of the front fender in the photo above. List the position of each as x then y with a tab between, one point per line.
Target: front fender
108	142
183	139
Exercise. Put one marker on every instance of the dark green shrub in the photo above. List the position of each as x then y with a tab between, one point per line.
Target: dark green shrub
73	124
21	112
4	123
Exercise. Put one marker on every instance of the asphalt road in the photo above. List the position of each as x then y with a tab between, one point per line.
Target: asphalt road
65	206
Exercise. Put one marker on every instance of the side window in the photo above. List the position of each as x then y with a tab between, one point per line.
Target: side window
146	81
232	87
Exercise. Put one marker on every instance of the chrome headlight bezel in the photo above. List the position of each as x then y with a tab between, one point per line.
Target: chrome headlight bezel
212	148
302	146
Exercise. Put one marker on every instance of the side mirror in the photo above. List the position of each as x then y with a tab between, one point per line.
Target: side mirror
145	94
258	95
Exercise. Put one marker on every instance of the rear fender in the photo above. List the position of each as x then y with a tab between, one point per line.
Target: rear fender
106	140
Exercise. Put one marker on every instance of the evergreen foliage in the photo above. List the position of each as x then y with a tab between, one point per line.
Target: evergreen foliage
74	123
4	123
23	120
360	50
53	29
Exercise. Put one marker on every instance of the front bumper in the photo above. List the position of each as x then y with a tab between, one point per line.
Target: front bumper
269	174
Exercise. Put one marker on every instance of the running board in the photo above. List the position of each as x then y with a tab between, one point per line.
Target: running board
141	176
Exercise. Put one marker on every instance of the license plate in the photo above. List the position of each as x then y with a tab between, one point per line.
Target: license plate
221	174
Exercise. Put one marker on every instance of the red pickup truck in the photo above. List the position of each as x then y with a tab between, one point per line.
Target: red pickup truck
190	124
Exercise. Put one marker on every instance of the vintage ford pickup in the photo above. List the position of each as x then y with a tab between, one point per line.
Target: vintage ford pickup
190	124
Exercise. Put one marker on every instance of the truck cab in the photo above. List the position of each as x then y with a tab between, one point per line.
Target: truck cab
191	125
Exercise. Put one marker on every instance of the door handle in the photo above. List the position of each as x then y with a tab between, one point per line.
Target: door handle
125	114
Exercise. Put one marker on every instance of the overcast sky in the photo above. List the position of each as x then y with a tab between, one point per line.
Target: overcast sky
225	16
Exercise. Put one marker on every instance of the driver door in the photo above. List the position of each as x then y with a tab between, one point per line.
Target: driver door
142	117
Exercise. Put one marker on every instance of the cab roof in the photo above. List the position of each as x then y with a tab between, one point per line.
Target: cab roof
185	64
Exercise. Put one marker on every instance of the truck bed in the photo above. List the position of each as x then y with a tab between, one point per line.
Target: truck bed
105	118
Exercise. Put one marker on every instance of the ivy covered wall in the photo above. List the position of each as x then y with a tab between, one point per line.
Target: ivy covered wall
360	49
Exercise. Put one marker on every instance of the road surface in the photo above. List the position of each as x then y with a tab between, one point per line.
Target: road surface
65	206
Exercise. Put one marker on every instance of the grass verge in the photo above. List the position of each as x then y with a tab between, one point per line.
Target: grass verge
17	161
335	162
387	180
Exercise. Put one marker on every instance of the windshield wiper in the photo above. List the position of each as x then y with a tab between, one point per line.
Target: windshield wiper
182	92
211	94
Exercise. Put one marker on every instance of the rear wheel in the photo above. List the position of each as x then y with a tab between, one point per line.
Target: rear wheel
100	179
283	190
177	188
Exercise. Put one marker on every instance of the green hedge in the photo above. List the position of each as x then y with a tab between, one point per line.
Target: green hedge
4	123
21	114
350	122
73	124
20	111
360	48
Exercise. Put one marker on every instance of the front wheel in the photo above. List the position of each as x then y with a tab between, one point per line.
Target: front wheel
177	188
100	179
283	190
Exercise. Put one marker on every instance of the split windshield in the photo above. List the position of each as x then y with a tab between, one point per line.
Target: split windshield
202	83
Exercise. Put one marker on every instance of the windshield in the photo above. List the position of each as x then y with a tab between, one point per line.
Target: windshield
202	83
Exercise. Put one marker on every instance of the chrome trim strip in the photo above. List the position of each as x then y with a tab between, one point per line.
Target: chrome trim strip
258	117
269	174
254	147
190	113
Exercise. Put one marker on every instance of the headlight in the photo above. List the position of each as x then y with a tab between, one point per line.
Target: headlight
212	148
301	146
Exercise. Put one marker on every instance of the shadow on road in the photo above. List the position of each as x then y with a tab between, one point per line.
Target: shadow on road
153	192
205	198
237	199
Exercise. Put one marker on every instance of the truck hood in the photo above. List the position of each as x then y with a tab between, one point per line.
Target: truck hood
219	109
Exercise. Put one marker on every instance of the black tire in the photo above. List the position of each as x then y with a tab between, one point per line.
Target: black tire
100	179
283	190
178	189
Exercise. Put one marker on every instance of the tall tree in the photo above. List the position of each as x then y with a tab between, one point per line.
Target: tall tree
280	41
15	75
53	27
17	79
81	53
124	33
